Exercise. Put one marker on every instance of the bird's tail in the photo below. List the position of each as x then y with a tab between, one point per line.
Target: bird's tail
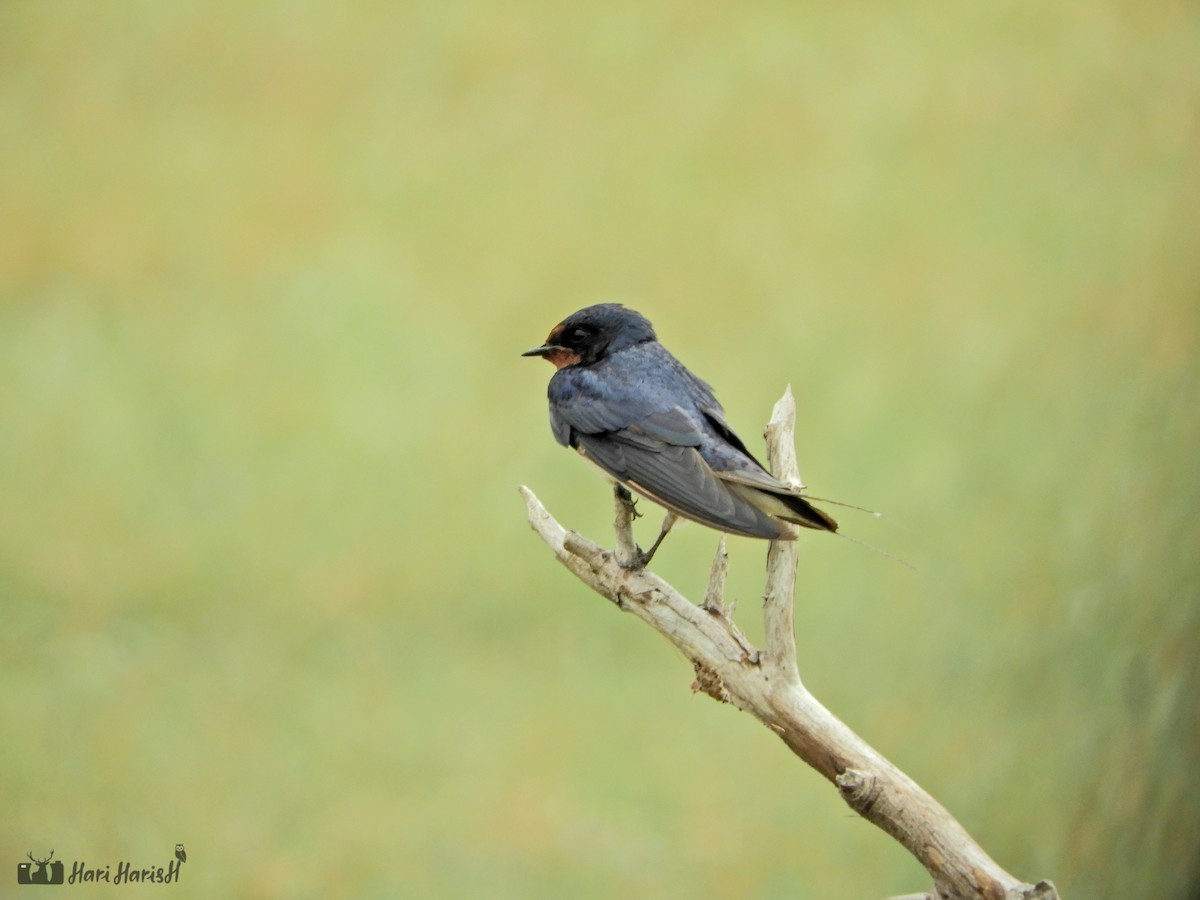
785	504
805	514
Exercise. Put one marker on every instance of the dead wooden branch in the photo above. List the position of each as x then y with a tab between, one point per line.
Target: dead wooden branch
767	684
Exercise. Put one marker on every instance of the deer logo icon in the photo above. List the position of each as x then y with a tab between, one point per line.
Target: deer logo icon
46	873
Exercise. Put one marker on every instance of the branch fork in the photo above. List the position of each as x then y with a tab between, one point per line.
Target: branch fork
766	683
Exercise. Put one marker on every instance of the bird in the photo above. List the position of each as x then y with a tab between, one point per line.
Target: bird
625	403
180	853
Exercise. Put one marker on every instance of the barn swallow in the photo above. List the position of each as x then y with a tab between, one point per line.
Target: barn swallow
625	403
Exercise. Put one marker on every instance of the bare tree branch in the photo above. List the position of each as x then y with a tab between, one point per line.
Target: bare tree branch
783	555
767	685
714	597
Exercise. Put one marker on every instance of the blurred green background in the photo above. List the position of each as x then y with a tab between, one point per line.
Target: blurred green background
265	580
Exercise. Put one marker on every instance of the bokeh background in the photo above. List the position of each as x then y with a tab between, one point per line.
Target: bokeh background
266	587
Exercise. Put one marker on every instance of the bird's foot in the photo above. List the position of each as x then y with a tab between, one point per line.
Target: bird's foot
627	500
641	558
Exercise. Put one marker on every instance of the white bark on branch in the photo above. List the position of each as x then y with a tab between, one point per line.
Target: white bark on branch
767	685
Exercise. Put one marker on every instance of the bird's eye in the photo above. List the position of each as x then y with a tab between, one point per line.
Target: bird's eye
578	335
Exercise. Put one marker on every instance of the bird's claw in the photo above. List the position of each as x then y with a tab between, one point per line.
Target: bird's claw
641	559
628	500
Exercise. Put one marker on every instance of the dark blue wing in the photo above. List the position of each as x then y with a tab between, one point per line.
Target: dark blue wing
677	477
633	431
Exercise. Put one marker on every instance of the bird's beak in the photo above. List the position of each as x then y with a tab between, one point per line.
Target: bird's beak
544	350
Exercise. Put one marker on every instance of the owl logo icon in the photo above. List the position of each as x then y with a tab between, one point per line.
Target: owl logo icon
180	853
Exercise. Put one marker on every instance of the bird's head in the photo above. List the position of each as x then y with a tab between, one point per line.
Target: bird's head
592	333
